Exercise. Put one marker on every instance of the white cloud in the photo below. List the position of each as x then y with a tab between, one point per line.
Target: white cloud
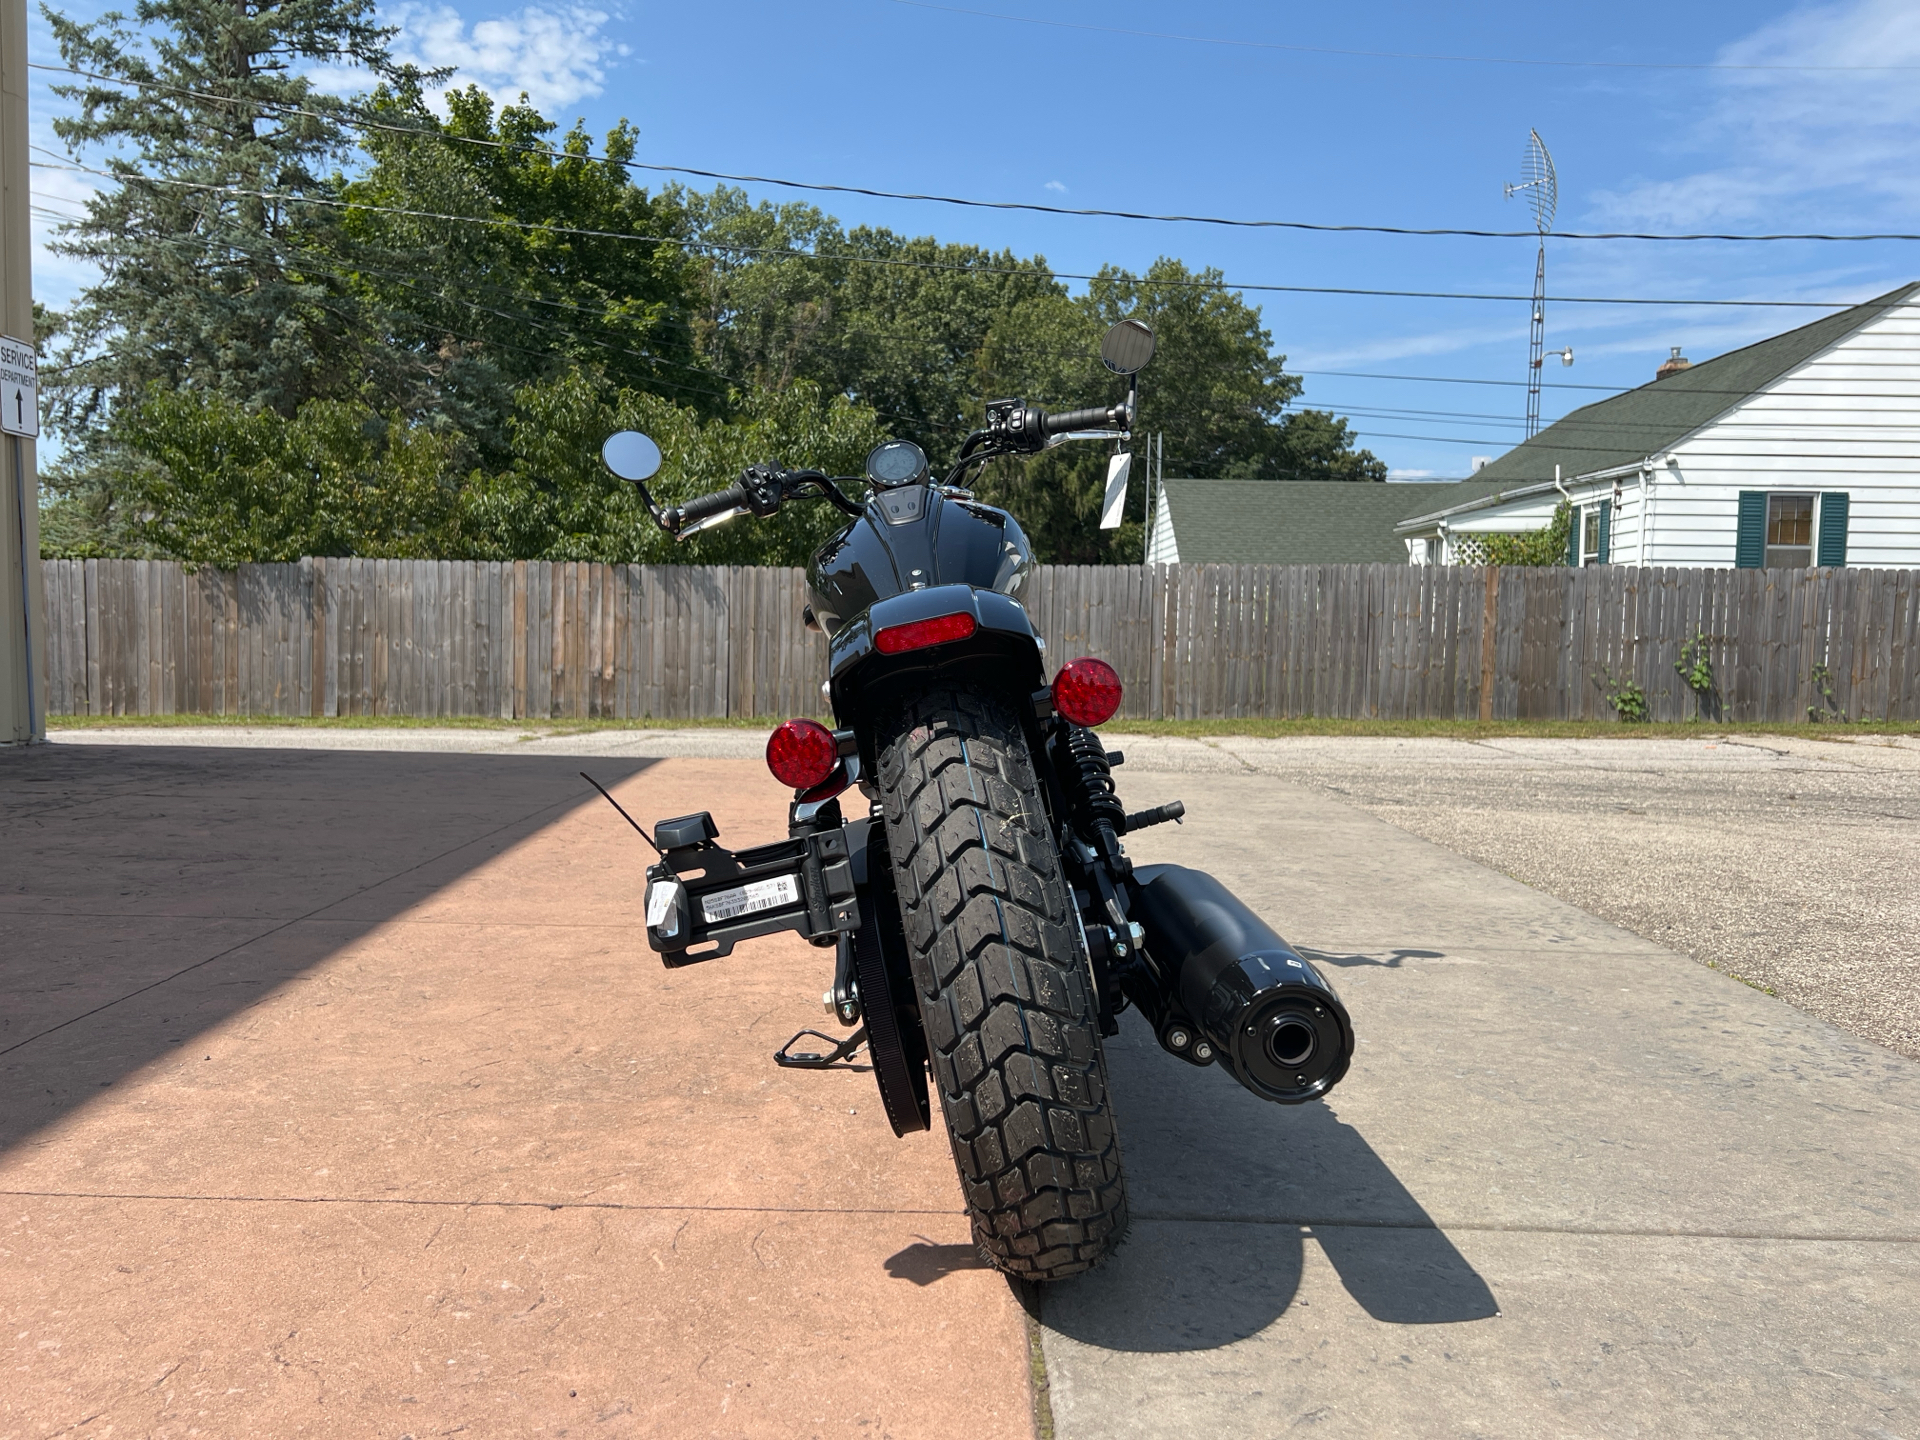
1466	336
1408	477
1794	149
555	56
1057	187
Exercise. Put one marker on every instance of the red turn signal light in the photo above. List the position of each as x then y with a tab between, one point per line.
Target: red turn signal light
918	634
1087	691
802	753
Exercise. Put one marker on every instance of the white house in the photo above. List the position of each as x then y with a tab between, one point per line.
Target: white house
1801	450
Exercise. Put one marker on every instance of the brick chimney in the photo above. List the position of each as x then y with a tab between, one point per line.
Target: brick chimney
1673	365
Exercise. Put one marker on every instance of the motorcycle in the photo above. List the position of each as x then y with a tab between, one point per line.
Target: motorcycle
955	838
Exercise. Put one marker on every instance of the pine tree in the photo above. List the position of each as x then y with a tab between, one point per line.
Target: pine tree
214	274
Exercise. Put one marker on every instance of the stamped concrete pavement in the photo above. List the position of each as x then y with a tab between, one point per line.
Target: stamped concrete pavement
339	1095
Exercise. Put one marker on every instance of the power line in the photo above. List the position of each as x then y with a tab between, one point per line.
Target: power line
830	257
947	426
1397	54
1625	390
1030	207
1569	424
1453	380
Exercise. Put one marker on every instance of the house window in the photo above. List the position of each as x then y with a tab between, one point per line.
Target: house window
1789	532
1591	532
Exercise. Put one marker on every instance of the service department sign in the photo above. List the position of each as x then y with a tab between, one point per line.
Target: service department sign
19	389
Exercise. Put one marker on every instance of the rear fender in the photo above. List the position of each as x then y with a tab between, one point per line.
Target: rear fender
1002	654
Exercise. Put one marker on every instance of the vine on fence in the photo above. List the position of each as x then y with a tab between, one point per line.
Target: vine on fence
1695	667
1546	546
1628	700
1825	713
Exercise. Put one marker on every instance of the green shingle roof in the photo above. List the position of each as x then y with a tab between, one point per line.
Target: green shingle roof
1627	428
1302	522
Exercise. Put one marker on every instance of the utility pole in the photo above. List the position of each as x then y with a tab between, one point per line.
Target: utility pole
23	687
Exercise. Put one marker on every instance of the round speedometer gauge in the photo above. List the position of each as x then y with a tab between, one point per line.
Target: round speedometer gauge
894	463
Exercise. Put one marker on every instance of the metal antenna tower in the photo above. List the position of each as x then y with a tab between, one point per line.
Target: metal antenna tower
1542	189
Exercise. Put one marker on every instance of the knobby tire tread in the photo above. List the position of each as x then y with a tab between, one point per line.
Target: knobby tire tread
1005	992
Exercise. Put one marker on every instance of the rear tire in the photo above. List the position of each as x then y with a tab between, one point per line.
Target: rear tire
1005	991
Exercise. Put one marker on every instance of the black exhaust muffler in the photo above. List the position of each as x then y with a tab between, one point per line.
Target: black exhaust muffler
1271	1018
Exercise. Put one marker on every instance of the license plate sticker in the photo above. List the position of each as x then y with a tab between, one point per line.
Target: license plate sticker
750	899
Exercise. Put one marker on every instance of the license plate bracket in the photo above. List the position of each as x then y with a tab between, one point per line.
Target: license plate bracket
703	899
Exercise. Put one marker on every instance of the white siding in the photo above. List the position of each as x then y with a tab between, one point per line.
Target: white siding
1162	547
1528	513
1848	419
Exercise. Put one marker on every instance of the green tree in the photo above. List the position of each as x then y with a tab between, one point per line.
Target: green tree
218	146
896	323
211	248
534	282
556	501
1319	445
215	482
1215	392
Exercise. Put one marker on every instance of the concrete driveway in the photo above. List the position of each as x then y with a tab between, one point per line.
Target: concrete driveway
1575	1184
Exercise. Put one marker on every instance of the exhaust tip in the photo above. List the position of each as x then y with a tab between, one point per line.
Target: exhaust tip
1294	1047
1291	1042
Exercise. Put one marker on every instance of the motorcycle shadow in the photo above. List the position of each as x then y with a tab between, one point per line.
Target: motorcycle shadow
1226	1191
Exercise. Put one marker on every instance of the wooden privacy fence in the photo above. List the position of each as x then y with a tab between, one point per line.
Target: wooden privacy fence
535	639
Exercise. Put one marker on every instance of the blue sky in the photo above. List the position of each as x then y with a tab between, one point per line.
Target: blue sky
903	96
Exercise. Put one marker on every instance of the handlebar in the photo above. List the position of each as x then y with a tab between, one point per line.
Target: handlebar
703	507
1095	419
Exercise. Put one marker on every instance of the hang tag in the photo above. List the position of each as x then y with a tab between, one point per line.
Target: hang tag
661	898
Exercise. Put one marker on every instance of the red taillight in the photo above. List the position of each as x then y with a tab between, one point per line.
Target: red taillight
918	634
1087	691
802	753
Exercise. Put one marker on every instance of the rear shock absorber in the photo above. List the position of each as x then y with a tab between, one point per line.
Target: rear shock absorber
1098	807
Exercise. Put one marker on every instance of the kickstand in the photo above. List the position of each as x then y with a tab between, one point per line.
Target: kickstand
842	1050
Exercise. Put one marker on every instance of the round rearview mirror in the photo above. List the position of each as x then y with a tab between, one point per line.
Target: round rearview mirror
631	455
1128	347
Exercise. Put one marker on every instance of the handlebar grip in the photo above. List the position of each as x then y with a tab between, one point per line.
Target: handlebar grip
1101	418
702	506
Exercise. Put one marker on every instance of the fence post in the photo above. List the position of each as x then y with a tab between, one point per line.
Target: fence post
1489	627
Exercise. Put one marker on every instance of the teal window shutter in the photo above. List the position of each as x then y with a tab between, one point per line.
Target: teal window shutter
1833	528
1750	537
1573	540
1606	515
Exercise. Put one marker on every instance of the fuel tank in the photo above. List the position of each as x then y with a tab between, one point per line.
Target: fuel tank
1273	1019
915	538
